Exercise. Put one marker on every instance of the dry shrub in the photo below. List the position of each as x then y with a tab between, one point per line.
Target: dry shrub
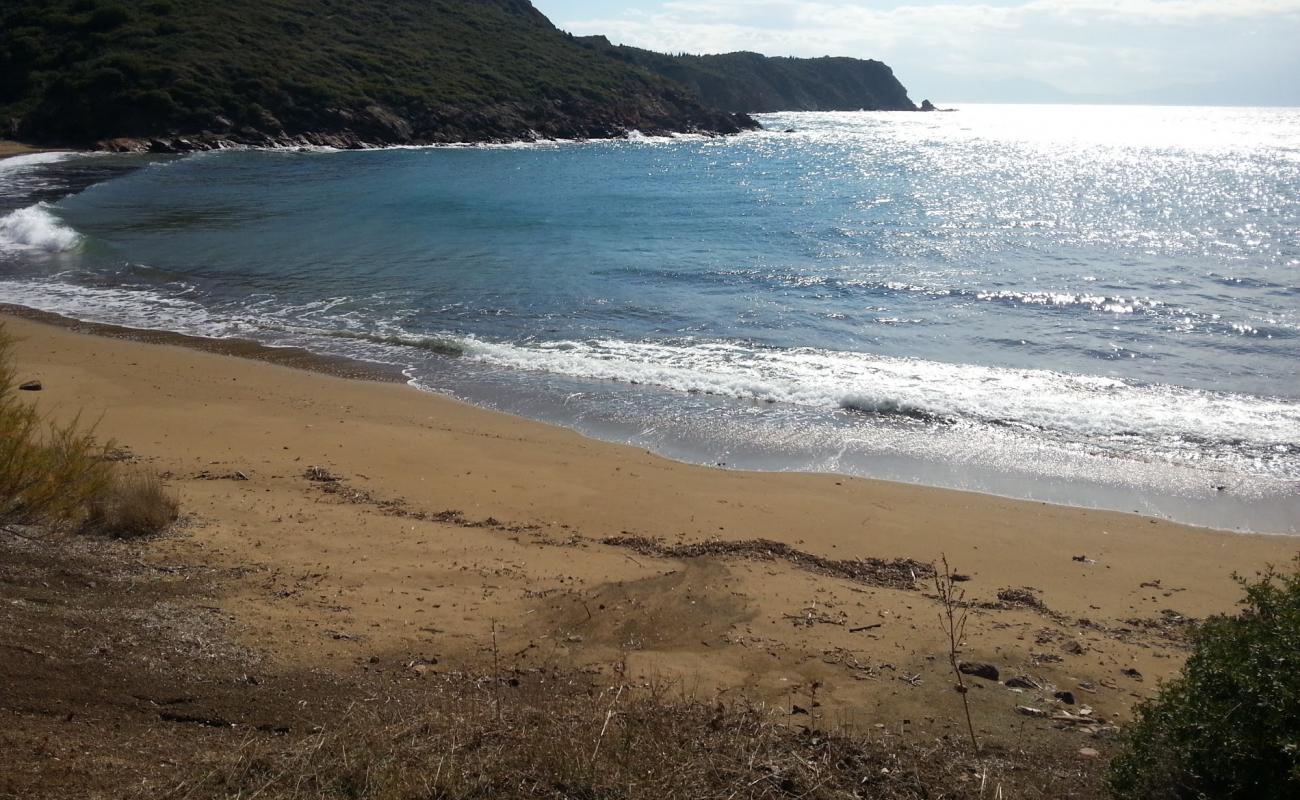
48	472
132	503
559	740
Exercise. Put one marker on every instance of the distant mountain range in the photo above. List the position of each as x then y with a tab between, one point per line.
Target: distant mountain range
195	74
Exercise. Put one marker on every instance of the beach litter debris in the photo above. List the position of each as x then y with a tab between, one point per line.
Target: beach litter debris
862	628
320	475
1021	682
979	669
205	475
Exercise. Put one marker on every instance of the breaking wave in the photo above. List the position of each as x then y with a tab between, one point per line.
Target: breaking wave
35	228
1078	407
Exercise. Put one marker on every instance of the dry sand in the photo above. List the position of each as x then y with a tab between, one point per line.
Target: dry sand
451	522
10	148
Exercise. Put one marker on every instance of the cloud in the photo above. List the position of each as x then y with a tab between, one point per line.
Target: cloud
1079	45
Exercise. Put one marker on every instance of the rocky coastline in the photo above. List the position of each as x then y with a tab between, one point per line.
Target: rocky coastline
376	127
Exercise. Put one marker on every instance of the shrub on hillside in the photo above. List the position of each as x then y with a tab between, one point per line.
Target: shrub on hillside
48	472
1229	726
132	503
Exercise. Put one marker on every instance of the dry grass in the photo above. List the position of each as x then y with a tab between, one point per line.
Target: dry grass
133	502
48	472
559	739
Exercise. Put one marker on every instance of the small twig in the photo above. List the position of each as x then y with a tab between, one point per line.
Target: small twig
496	672
953	623
608	716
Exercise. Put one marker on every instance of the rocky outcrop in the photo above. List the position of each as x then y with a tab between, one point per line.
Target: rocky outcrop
753	83
174	78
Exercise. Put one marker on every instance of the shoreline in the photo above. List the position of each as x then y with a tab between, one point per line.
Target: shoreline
342	366
361	519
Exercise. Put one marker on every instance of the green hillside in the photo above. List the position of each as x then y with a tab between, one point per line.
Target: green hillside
753	83
75	72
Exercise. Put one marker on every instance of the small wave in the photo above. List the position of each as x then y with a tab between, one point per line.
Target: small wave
889	407
1077	407
433	344
17	163
35	228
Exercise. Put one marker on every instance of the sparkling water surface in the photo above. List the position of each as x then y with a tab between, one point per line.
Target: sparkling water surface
1091	305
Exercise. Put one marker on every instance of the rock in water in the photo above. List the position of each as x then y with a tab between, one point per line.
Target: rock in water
926	105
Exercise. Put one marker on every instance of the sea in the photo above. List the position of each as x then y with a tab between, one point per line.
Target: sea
1086	305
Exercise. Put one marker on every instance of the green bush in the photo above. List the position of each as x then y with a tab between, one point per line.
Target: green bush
1229	726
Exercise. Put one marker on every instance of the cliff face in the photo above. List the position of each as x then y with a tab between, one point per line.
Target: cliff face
196	73
753	83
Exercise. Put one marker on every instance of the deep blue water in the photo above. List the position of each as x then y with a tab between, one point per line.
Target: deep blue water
1079	304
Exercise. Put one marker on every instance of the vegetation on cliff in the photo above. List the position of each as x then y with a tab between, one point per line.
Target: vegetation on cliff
753	83
345	71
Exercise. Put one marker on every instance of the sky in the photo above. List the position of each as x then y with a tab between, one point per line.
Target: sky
1177	51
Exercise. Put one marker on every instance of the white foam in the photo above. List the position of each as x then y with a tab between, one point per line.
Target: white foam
23	162
35	228
1077	406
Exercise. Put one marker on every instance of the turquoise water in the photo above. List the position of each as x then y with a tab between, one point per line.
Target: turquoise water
1098	306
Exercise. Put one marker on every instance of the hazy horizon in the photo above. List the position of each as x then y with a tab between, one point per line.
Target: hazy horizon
1175	52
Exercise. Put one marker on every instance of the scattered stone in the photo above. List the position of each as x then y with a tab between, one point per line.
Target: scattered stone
1021	682
1083	559
1073	647
798	710
1029	711
30	386
1132	673
1065	697
979	669
1088	752
1088	686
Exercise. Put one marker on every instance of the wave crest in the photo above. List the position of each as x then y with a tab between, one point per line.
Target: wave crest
35	228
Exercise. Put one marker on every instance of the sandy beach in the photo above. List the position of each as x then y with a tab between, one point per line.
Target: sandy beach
364	518
8	149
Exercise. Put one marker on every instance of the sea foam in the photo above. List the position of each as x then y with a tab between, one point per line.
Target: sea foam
35	228
1078	407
